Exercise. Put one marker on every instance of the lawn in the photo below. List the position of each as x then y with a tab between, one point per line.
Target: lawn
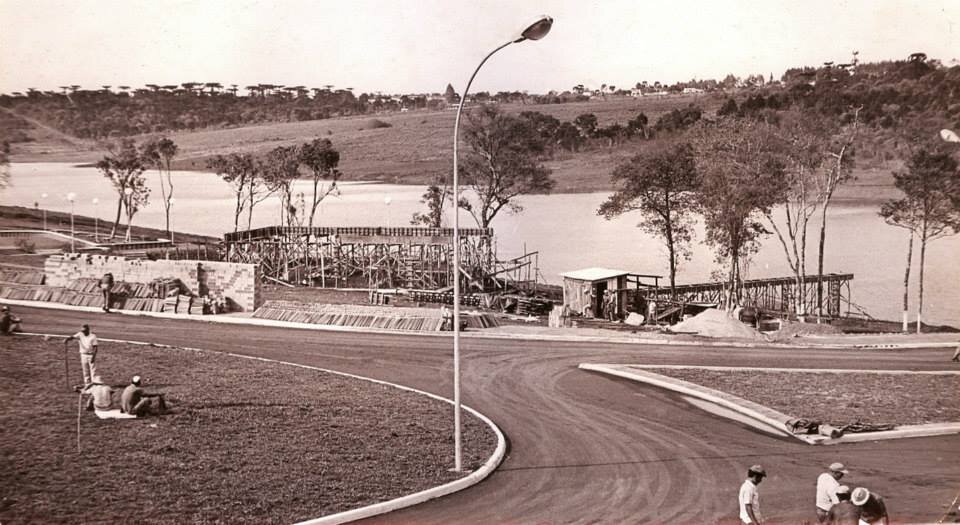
838	398
246	442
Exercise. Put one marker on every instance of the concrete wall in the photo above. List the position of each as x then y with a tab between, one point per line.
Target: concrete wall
238	283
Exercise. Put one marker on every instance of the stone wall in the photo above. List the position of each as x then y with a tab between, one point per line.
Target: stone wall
237	283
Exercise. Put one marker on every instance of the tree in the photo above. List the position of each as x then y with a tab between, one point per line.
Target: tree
587	124
804	142
568	137
450	95
839	171
322	160
435	197
930	208
124	166
281	169
503	162
160	153
4	164
741	176
660	185
238	170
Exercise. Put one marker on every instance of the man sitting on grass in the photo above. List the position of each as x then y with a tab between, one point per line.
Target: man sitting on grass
101	395
9	323
139	403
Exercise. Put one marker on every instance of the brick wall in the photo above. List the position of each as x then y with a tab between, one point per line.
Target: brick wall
238	283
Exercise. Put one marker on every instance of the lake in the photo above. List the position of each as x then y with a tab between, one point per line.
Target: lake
564	228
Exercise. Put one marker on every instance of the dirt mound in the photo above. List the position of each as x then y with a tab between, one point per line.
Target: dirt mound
716	323
791	329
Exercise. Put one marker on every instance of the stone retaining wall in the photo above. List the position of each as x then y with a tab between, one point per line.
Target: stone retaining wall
237	283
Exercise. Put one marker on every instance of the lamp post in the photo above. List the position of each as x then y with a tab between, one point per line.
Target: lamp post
71	197
534	31
43	196
96	220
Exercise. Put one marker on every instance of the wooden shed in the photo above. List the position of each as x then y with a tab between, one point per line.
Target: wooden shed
583	290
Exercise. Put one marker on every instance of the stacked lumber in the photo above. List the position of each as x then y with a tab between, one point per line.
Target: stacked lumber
361	316
21	276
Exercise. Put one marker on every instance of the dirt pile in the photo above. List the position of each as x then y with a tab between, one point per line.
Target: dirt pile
716	323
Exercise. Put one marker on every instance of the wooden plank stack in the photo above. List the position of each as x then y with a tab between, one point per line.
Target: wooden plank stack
361	316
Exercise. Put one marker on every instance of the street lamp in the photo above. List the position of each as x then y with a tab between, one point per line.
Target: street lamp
535	31
42	197
71	197
96	220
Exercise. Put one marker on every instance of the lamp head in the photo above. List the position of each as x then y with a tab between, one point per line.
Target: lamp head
536	30
96	200
71	196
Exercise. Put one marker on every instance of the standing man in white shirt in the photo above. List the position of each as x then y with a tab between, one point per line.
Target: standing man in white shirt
88	352
827	485
750	496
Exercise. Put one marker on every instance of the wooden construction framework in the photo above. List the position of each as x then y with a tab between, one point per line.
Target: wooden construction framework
776	295
375	257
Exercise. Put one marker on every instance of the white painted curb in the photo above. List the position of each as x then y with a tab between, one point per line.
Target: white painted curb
386	506
766	423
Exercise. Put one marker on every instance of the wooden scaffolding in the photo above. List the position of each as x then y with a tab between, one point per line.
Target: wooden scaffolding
375	257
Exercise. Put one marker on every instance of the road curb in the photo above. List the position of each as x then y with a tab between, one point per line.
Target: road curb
385	506
758	416
226	319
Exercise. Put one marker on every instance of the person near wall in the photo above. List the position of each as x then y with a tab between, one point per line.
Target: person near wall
106	286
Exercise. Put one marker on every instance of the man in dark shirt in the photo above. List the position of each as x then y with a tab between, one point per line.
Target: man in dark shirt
843	512
135	401
9	323
872	508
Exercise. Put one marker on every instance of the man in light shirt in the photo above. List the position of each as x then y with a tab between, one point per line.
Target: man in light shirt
88	352
750	496
827	485
101	395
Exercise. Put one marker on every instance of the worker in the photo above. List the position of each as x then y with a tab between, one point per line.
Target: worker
135	401
101	395
843	512
9	323
872	508
749	495
106	287
88	352
827	484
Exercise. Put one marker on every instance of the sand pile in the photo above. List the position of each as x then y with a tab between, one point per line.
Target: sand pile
716	323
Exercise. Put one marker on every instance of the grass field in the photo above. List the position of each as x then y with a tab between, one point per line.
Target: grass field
416	147
838	399
246	442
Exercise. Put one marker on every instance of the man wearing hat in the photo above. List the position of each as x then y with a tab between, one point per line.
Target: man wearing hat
101	395
135	401
872	508
750	496
844	512
88	352
827	484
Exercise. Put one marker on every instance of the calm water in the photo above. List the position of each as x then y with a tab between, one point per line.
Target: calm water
563	228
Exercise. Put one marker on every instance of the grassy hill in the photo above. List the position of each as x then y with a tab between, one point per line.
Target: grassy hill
415	147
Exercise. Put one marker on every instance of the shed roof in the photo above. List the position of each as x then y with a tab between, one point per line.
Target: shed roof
593	274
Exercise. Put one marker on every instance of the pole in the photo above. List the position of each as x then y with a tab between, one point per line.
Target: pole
66	366
44	219
458	463
79	411
72	234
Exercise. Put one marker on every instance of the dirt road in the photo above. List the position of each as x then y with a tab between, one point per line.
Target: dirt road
585	447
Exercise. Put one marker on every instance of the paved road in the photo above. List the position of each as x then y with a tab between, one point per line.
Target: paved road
587	448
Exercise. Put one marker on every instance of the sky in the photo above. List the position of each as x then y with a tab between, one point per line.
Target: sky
419	46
